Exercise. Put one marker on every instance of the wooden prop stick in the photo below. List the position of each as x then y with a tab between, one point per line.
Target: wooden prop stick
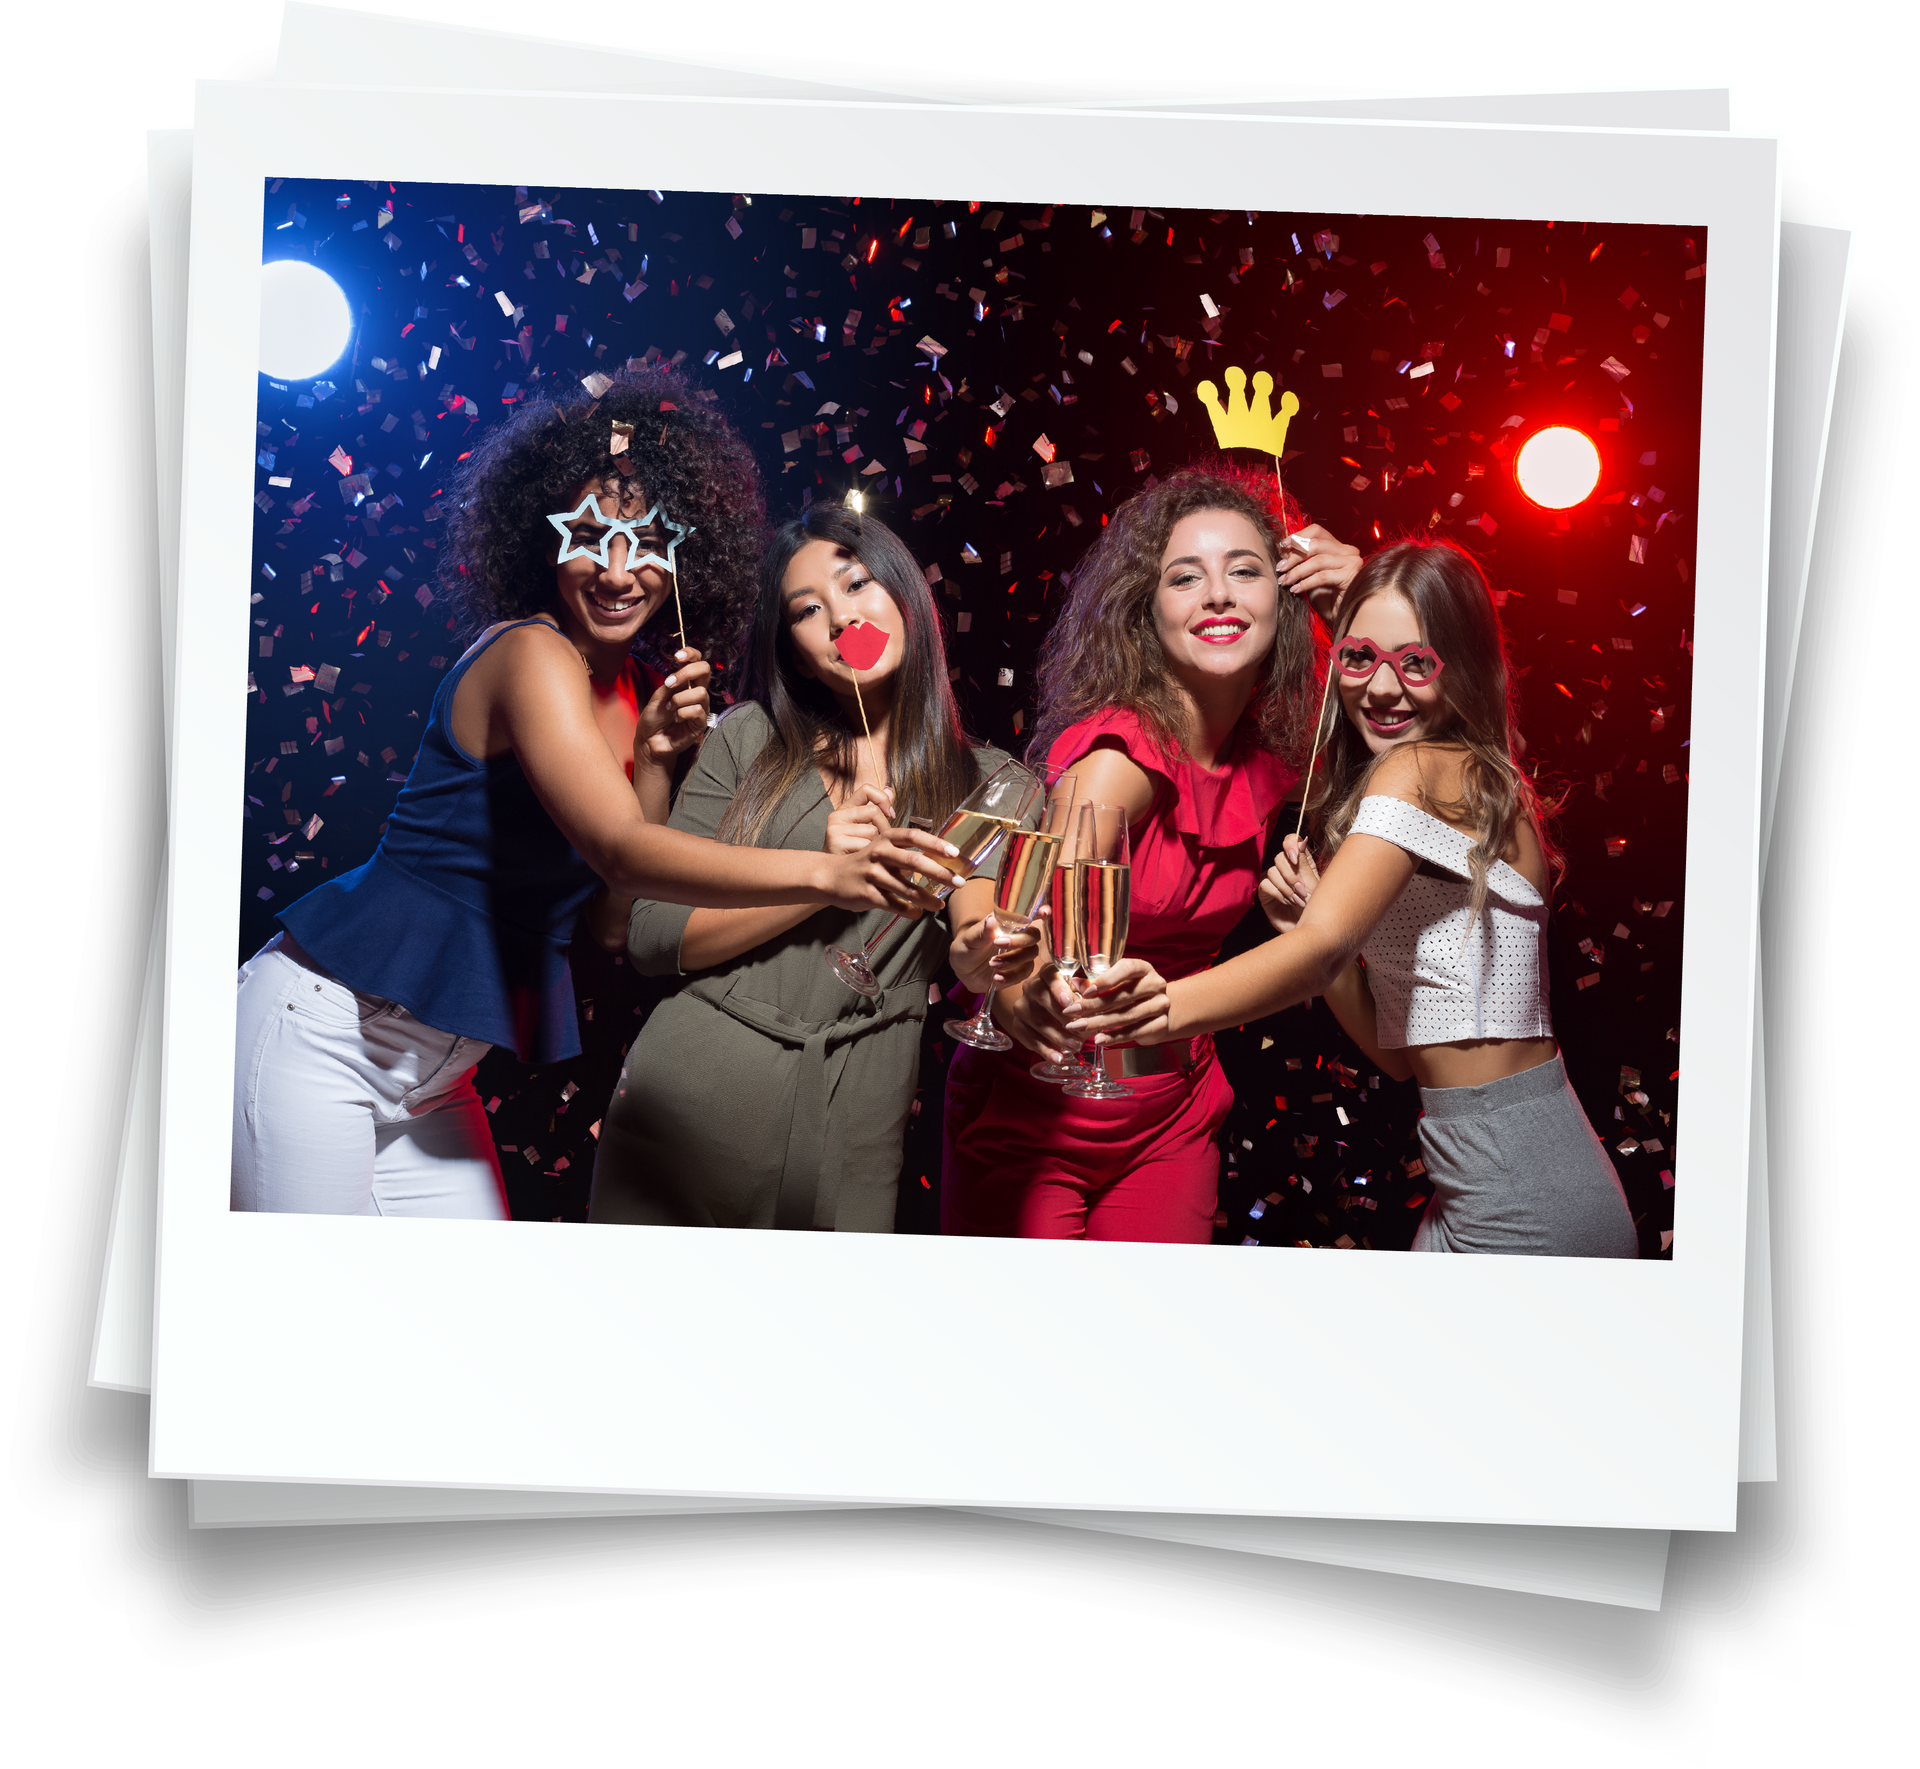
1253	421
861	646
673	571
1319	725
1320	719
872	759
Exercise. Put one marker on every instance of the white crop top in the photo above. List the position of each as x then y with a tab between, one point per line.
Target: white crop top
1435	980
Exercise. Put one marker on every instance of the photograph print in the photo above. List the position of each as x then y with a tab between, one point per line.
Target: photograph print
969	719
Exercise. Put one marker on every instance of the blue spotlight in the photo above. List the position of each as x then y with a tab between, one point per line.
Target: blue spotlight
305	321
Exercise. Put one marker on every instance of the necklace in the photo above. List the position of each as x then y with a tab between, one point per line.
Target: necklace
608	681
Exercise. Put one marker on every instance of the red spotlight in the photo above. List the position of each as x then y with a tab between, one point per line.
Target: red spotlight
1557	467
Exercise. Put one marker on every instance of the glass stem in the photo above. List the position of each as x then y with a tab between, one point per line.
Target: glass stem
866	951
1076	1059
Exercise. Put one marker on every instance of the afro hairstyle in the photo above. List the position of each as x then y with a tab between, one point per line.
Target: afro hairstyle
498	561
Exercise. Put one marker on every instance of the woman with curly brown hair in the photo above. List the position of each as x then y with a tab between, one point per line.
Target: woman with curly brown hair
1177	687
542	779
1439	873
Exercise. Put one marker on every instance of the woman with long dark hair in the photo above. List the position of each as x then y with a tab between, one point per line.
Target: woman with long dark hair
1427	932
1177	687
764	1093
542	777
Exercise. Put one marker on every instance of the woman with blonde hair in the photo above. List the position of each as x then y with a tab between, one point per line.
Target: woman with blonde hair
1177	689
1427	931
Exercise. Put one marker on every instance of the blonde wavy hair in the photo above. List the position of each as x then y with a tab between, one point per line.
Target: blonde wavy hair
1450	598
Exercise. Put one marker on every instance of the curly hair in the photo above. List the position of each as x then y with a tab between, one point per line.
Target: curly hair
1104	650
499	558
1450	597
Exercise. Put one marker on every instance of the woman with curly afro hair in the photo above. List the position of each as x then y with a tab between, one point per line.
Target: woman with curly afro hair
673	445
542	780
1178	689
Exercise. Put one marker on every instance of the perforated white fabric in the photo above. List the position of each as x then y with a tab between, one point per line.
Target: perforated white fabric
1435	980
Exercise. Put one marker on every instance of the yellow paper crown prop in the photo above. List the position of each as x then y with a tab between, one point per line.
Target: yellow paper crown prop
1243	424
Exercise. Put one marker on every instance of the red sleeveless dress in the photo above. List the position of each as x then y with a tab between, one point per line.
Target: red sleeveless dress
1024	1160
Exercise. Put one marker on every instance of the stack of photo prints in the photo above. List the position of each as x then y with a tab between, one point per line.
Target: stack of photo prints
910	827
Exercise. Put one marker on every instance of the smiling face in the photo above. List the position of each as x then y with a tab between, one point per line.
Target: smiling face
609	604
1217	605
826	589
1385	710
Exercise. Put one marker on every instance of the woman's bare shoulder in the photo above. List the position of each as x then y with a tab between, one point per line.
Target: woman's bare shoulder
1420	773
508	642
527	636
1108	775
524	670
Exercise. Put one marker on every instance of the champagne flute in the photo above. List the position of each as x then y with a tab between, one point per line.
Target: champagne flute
979	823
1102	891
1063	916
1027	865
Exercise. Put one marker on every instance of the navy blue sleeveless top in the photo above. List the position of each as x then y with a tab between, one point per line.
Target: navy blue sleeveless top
465	911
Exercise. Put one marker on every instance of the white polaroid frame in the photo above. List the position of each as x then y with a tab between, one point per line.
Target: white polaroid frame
1013	1373
338	46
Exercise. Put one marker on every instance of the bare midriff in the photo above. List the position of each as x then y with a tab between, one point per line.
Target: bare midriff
1473	1062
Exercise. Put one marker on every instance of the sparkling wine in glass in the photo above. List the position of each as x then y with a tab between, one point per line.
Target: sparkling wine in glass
1102	893
982	820
1028	862
1063	916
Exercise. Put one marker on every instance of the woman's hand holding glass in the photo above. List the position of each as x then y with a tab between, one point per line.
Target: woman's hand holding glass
1026	869
1124	1004
886	874
991	955
1290	881
1002	802
675	715
1035	1014
867	815
861	830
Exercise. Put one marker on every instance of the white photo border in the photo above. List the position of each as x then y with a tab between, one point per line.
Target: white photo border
923	1370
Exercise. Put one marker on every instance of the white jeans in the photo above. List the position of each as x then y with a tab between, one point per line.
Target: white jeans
346	1105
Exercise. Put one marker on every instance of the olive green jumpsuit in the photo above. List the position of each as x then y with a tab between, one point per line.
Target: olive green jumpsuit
764	1093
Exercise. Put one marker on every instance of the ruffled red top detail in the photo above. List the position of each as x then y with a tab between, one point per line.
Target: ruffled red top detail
1196	853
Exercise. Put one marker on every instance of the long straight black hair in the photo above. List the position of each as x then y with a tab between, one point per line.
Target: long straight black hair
931	765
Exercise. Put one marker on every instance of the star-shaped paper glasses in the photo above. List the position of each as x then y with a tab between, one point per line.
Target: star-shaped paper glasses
566	521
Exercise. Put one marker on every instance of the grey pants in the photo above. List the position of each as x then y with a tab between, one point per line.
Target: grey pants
1516	1168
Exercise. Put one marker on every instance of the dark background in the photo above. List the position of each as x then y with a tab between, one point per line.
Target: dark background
1087	329
776	1664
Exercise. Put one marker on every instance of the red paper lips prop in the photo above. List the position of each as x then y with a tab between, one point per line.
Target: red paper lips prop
861	645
